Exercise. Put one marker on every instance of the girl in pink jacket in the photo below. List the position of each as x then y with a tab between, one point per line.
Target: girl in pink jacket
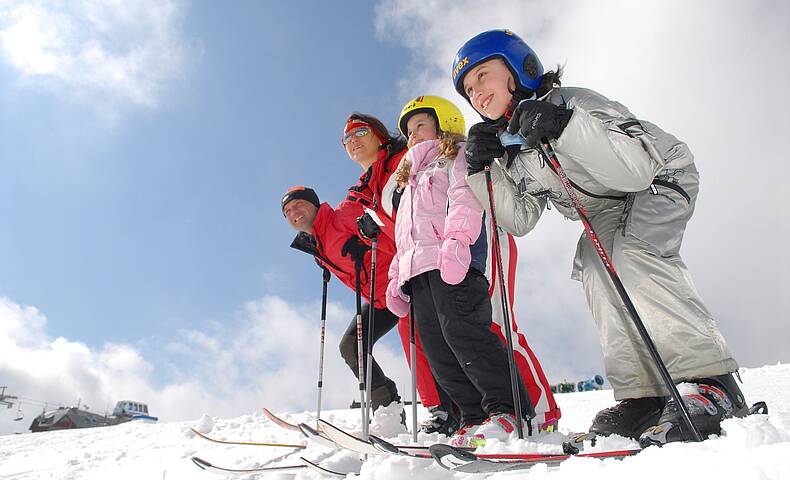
439	267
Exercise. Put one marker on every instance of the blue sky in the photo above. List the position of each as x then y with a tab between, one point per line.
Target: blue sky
130	227
144	152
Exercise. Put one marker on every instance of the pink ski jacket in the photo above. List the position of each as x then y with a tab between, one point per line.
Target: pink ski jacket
438	218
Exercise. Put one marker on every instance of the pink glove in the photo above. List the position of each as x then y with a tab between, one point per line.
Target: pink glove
396	301
454	261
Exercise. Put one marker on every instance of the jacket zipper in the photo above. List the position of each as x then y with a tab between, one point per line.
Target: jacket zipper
670	185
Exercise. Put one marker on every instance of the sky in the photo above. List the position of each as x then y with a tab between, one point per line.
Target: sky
144	149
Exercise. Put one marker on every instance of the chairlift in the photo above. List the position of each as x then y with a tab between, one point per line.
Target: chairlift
20	415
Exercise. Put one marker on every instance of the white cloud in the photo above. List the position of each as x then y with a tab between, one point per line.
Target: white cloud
715	75
266	356
97	51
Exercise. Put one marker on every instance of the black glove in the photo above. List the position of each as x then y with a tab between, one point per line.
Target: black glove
482	147
355	249
305	242
368	227
536	119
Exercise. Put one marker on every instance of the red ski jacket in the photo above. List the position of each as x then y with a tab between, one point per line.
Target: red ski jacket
370	192
331	229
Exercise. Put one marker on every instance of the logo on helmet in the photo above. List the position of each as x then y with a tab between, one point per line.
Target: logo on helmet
414	103
460	66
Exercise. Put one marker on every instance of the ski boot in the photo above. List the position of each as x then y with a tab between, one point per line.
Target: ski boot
499	426
708	401
383	395
629	418
549	426
440	421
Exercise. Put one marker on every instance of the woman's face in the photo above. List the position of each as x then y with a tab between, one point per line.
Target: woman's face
489	86
364	148
421	127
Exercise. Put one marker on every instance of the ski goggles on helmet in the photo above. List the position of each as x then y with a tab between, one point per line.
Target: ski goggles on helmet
359	132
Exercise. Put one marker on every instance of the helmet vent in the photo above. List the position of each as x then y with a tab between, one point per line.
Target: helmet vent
531	67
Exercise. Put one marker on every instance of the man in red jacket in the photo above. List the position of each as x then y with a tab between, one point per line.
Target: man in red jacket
330	236
333	242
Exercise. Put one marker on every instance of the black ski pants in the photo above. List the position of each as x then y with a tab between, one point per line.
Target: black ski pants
383	390
467	359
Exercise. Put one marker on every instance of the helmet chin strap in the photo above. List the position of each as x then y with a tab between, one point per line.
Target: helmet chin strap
519	95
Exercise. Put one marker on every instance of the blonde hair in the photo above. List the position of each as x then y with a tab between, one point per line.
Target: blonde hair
449	145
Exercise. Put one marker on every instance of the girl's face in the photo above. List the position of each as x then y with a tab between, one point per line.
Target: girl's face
489	86
363	149
421	127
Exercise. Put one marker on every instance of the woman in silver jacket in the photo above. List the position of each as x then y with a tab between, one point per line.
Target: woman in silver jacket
638	185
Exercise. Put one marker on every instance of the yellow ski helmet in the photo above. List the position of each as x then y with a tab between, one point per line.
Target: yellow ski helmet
448	117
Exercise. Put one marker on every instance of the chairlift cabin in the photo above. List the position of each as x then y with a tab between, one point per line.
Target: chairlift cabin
132	410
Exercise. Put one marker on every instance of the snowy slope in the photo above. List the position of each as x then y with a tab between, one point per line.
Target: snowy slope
757	447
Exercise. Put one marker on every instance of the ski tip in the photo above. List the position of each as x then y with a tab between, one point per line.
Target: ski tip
316	436
325	471
201	463
324	426
383	445
450	457
759	408
307	430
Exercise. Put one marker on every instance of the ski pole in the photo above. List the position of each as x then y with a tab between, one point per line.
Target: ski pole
371	316
413	361
360	350
511	359
323	341
551	158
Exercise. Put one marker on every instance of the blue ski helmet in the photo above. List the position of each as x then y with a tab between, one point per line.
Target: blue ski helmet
522	61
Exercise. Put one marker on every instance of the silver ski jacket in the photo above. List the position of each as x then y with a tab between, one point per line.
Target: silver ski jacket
620	154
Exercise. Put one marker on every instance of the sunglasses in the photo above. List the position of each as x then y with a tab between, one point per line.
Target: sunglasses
359	132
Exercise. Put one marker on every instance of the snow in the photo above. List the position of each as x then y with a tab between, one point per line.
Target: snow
756	447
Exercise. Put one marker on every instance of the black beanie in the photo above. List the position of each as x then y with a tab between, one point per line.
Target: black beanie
300	193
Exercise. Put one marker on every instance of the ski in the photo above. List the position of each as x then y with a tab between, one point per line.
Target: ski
374	445
309	432
280	422
315	436
306	464
464	461
257	444
209	467
457	457
345	440
325	471
348	441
